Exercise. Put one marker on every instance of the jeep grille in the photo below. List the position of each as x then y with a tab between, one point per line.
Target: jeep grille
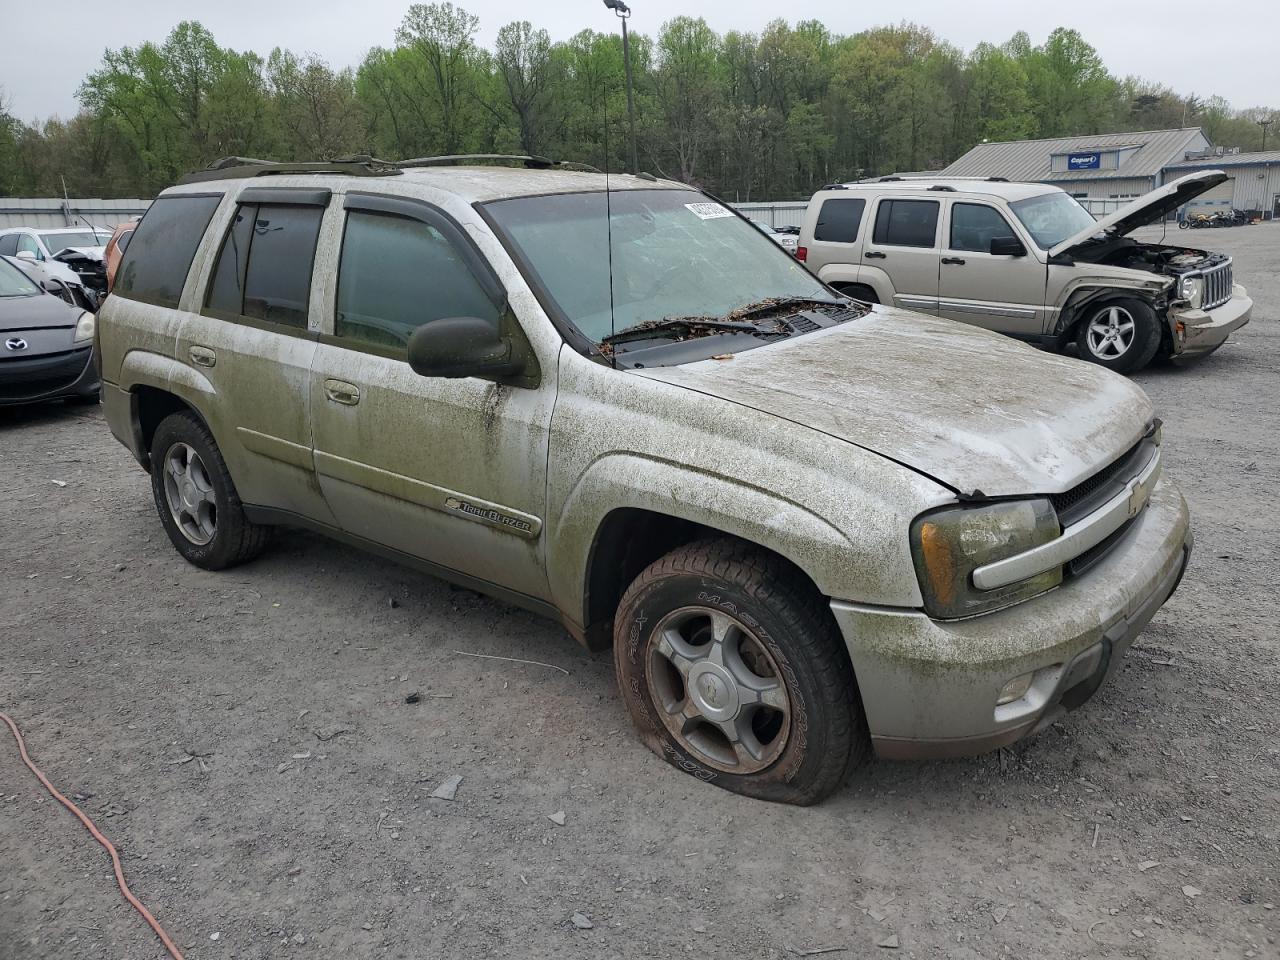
1217	286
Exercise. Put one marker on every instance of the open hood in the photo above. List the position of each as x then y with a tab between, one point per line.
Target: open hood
970	408
70	254
1147	208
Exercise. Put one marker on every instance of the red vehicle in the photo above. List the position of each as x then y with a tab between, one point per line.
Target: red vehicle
115	249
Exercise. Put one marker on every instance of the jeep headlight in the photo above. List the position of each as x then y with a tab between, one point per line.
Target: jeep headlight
949	544
84	327
1191	289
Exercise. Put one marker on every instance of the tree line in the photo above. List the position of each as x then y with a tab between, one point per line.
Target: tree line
763	116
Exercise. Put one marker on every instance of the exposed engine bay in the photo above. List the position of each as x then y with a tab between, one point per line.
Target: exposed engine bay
89	266
1152	257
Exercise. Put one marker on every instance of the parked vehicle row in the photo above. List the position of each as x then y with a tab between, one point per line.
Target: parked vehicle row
46	344
809	527
1029	261
67	261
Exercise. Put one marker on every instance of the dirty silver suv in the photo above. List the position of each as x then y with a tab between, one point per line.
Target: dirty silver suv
809	529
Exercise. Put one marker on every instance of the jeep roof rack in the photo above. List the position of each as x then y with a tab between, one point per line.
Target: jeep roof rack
944	187
532	162
365	166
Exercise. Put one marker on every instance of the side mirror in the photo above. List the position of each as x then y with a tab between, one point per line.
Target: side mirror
1007	247
26	255
458	347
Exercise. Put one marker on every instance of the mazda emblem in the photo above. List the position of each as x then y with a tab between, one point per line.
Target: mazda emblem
16	343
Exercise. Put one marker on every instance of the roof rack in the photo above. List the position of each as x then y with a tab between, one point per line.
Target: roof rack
997	179
888	179
237	167
532	162
363	165
944	187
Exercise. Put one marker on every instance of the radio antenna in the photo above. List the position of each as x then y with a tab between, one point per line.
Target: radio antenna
608	218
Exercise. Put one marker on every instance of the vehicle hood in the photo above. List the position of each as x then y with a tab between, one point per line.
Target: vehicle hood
36	313
972	409
1147	208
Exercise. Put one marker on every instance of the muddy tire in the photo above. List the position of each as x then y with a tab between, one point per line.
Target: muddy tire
733	671
1122	335
196	500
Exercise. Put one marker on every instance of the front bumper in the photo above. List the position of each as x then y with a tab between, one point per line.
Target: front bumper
929	687
70	373
1199	332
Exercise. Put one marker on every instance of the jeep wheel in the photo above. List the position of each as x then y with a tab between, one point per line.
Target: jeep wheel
197	501
732	672
1121	335
859	291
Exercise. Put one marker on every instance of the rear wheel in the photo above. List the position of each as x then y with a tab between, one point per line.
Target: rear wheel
732	671
198	504
1121	335
859	291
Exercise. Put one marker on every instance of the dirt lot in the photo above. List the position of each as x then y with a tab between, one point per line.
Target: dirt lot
244	738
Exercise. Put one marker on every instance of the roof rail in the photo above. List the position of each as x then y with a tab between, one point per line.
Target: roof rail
834	186
363	165
997	179
888	179
532	162
944	187
237	167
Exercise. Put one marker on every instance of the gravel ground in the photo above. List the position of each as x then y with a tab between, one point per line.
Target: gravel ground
244	739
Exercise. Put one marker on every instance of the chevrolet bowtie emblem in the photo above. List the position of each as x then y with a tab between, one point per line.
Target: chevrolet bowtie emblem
1138	496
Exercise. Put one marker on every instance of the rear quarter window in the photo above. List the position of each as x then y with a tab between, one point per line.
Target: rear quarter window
159	257
839	219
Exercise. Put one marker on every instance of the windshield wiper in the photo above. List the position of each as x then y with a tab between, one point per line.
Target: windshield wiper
681	326
770	304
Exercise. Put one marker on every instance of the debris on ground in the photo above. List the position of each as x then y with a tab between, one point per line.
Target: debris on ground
1192	892
413	698
448	789
558	818
1146	865
889	943
328	733
582	921
999	913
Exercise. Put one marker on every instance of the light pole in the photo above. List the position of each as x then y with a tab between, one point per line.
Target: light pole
623	12
1264	124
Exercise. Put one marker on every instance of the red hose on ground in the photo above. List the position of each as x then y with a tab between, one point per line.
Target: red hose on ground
97	835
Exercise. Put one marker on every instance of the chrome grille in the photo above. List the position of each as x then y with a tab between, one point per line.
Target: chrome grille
1217	286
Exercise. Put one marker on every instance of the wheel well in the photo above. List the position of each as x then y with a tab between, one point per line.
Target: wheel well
857	291
150	406
627	541
1076	309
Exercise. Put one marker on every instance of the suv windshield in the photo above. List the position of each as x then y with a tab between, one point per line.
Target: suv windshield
15	283
1052	218
674	254
79	238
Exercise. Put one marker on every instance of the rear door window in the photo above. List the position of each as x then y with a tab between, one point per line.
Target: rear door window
839	219
264	267
155	267
907	223
8	245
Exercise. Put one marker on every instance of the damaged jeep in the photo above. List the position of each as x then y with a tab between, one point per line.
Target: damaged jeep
810	530
1029	261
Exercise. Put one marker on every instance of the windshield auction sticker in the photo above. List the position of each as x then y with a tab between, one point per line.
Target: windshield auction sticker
709	211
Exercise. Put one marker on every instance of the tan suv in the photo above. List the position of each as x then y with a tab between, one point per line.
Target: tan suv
1029	261
808	528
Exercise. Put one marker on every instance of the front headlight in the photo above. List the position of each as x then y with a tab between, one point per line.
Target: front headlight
84	327
949	544
1191	289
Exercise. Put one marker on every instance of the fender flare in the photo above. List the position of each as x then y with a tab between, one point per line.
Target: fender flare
1087	293
627	480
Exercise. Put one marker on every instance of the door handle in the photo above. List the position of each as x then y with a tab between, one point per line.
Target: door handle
875	255
958	261
339	391
203	356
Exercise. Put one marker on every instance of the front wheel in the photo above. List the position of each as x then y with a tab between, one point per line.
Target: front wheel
1183	224
1122	335
198	504
733	671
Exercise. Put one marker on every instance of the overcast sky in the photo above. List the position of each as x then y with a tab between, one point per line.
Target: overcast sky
1193	47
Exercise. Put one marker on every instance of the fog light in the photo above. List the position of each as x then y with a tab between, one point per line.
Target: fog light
1015	689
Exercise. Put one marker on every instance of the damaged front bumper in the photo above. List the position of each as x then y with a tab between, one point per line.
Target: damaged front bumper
1197	333
931	688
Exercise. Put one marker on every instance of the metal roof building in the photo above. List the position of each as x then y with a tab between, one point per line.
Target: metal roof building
1102	166
1255	183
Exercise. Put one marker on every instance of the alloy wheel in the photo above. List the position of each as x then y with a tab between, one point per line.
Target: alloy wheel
189	494
718	690
1111	333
